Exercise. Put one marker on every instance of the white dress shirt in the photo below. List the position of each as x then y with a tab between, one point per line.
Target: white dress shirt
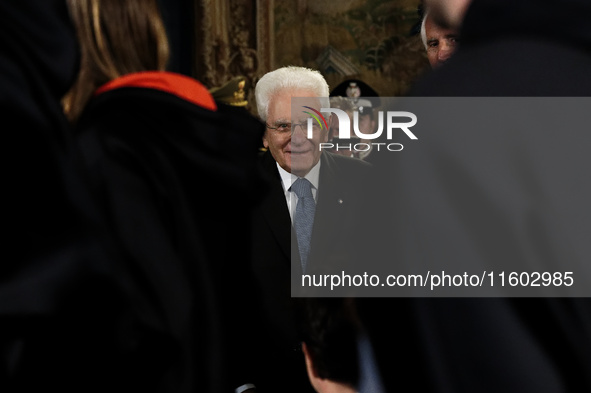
287	180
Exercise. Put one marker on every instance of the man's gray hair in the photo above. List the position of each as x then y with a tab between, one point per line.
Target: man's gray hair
289	78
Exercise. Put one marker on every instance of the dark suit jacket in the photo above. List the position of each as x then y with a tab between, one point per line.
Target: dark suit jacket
275	254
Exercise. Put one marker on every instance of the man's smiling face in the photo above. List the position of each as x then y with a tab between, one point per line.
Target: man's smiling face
293	151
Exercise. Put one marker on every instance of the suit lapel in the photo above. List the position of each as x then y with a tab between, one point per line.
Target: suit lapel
330	210
330	207
274	208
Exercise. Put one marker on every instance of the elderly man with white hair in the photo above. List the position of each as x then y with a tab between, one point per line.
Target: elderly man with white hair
308	218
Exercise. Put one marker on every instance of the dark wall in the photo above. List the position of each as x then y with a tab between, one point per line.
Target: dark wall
178	17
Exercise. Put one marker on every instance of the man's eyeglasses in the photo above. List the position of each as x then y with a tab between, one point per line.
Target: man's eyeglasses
284	128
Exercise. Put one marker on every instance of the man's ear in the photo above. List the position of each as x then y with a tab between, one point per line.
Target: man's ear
265	143
317	383
329	122
309	363
331	119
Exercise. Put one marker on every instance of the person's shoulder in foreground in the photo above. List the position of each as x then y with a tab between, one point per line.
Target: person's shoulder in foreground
484	194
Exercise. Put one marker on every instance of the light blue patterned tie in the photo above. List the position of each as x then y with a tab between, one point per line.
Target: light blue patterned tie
304	217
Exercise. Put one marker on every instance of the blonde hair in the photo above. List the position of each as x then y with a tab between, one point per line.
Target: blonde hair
116	37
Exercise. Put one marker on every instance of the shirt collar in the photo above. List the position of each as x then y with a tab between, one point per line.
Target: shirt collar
287	179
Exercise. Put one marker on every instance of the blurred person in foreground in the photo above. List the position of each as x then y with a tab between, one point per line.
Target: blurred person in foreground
58	296
329	329
516	194
166	162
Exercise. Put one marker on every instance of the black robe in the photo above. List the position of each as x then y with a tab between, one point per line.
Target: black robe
177	183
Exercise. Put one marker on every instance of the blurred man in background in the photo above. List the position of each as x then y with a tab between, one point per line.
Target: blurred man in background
440	42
